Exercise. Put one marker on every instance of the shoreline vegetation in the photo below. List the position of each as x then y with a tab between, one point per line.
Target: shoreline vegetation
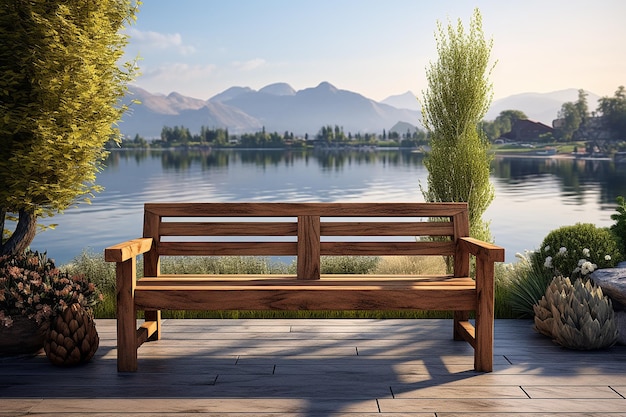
547	151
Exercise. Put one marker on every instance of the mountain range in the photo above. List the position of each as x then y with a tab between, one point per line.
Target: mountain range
278	107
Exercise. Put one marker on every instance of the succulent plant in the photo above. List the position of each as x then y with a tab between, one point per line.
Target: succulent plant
577	316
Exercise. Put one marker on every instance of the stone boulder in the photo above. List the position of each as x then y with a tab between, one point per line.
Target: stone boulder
613	284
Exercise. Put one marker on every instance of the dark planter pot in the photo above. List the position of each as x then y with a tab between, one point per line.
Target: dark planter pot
23	337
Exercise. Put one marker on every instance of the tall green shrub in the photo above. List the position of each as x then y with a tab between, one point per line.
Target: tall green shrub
458	97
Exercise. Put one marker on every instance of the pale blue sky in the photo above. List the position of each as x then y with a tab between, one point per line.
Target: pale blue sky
377	48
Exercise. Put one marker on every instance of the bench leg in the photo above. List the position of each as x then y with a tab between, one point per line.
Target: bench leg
126	317
483	351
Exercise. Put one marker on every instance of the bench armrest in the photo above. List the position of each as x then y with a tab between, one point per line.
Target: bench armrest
488	252
127	250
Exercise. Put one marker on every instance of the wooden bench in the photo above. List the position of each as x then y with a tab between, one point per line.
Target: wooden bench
307	231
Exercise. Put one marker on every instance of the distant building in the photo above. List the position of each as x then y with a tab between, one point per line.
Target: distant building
527	130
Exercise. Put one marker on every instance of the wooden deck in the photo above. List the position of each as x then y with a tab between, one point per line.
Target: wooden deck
321	368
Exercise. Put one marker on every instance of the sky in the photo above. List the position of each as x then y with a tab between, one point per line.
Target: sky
376	48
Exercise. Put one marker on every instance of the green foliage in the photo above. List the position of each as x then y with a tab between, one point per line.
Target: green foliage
502	124
458	96
564	251
619	227
348	264
572	115
527	284
220	265
571	251
613	110
60	96
576	316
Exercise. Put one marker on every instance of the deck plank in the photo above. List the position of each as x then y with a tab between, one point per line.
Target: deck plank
296	367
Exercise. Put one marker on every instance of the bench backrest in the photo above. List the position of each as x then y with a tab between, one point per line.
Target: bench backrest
305	230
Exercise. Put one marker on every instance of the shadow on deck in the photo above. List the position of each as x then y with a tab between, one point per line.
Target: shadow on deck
321	368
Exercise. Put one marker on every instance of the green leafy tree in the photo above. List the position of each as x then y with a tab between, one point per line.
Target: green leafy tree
458	97
573	116
60	88
569	120
613	110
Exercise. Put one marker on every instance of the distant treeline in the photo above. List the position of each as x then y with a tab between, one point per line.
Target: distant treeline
181	136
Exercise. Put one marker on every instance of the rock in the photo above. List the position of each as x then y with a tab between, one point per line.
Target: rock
613	284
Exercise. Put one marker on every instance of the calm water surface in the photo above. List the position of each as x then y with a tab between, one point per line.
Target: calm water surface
533	196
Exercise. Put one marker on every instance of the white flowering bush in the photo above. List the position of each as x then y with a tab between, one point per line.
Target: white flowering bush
576	251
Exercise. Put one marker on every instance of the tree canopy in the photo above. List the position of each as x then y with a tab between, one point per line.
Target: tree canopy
458	97
60	88
613	110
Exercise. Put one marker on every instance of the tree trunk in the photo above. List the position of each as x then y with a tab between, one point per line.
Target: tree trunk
22	236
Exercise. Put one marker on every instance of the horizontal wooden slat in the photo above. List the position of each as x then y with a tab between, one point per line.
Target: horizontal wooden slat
227	248
307	298
387	248
228	229
387	229
332	292
273	280
305	209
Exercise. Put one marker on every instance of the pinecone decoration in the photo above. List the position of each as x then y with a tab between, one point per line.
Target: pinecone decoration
72	338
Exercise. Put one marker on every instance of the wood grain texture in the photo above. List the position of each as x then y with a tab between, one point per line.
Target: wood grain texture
305	209
126	316
312	230
127	250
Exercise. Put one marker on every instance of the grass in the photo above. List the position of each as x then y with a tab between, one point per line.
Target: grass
103	275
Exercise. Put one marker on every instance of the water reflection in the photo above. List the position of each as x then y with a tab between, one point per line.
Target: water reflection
518	175
575	177
180	160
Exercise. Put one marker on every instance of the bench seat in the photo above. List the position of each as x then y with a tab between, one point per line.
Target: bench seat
286	292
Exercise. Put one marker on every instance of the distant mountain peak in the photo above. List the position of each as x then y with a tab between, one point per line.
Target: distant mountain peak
231	93
406	100
325	85
278	89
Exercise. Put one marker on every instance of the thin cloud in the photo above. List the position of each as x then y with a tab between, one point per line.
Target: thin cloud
249	65
177	71
157	40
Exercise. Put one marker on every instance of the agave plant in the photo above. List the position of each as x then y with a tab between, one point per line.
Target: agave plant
577	316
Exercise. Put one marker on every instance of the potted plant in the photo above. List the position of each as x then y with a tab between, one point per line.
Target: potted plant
33	293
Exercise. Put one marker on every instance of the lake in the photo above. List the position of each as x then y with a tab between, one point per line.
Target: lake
533	195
